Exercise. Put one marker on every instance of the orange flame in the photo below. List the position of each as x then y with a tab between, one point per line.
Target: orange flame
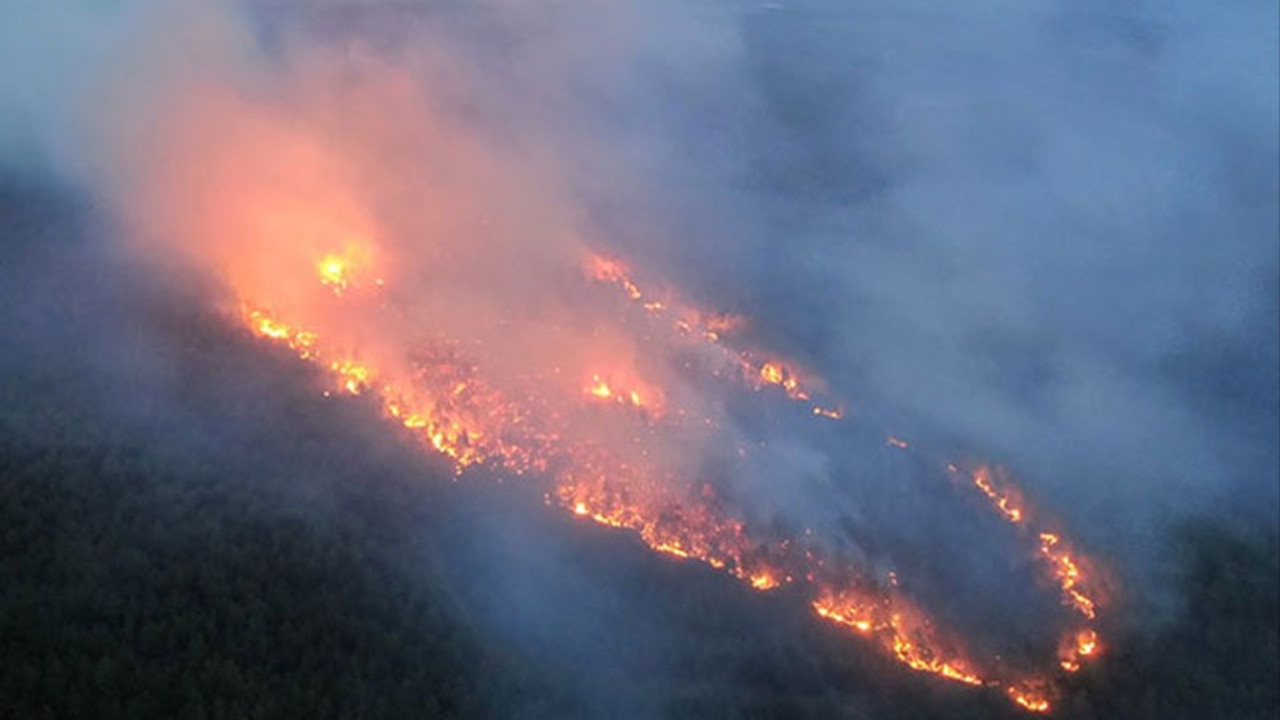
450	408
1067	571
1005	500
1029	698
1076	648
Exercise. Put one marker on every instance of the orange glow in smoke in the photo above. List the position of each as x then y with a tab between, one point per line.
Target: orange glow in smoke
595	485
457	348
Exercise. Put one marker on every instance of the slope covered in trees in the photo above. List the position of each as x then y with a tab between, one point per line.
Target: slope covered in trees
190	530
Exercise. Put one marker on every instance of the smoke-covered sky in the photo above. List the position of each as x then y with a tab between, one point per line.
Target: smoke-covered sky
1041	234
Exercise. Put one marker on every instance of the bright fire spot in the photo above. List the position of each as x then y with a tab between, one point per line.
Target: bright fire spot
352	376
1086	643
830	413
333	271
1078	648
763	581
345	270
600	388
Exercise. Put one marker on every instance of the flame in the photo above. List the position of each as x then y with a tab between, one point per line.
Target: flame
297	223
334	271
1065	567
896	626
304	271
1075	649
777	374
710	329
472	423
347	268
638	396
895	442
1005	500
600	388
763	581
1066	570
1064	564
1029	698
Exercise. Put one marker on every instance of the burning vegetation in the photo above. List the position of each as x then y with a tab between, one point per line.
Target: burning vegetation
464	304
444	399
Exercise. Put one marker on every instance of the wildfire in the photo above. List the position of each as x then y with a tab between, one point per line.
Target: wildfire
340	271
600	388
635	397
1067	572
333	271
505	343
1077	648
829	413
1064	566
779	375
448	406
710	329
1029	698
888	621
1004	500
763	581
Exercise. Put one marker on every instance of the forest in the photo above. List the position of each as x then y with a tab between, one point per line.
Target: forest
206	536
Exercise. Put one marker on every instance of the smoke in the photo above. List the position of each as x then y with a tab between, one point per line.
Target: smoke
1043	235
1047	232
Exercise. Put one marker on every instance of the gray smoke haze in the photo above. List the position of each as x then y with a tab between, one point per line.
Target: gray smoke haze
1042	234
1045	233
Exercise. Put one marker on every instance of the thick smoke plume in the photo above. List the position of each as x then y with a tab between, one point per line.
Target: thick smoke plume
1041	235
